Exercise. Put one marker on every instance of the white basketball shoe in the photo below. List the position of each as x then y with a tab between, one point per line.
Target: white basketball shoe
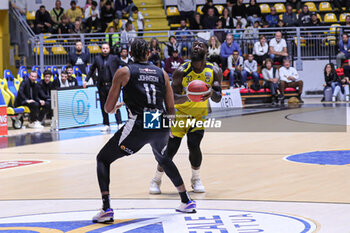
197	185
104	216
154	187
189	207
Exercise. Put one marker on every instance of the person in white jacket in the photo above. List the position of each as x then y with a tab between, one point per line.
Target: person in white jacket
289	77
235	65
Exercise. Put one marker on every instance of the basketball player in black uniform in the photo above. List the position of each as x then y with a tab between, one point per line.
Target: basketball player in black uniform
145	88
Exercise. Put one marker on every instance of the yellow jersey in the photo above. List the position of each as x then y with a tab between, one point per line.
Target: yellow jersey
195	109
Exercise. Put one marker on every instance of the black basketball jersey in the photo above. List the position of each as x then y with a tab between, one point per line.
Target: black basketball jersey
145	90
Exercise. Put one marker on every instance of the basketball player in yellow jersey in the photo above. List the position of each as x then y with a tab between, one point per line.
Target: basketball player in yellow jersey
197	69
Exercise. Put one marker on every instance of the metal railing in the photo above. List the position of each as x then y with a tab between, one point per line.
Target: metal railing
304	43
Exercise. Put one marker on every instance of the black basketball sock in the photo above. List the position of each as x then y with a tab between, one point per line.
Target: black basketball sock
106	202
185	198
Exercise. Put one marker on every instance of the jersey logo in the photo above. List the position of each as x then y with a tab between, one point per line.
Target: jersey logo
188	79
207	76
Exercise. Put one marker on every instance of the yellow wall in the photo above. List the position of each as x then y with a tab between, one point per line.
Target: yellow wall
4	42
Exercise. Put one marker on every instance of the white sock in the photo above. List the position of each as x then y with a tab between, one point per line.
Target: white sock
158	176
195	174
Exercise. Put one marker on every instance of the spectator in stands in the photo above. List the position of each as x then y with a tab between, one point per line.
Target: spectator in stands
21	11
173	62
71	78
272	18
342	3
123	7
78	57
187	9
289	17
230	4
290	78
43	22
239	12
227	49
347	21
92	17
171	46
209	21
129	34
214	50
250	68
45	86
226	19
296	4
253	12
77	28
196	23
235	65
107	15
64	27
61	82
112	39
252	32
106	64
305	16
220	34
238	32
331	80
344	49
315	21
155	51
74	12
271	78
56	14
28	95
184	35
209	4
261	50
140	21
278	48
124	55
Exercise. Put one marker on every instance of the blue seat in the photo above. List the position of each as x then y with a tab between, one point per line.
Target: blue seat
78	75
39	72
54	71
63	68
22	74
12	83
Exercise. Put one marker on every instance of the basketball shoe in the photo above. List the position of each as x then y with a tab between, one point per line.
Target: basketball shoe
189	207
154	187
104	216
197	185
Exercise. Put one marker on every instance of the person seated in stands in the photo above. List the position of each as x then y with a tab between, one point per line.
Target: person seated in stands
271	78
77	28
239	12
43	22
226	19
28	95
235	65
65	26
347	21
304	17
250	68
124	55
184	35
290	78
209	21
227	49
296	4
253	12
45	86
56	14
123	7
74	12
171	46
78	57
252	32
107	15
220	34
315	21
261	50
278	48
196	23
272	18
209	4
289	17
112	39
173	62
237	32
230	4
214	50
128	35
154	49
61	81
344	50
72	81
331	80
92	17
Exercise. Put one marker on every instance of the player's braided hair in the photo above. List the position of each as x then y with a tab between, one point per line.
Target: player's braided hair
139	49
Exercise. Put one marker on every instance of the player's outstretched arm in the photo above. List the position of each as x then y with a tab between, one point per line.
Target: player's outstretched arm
216	88
169	96
120	79
177	86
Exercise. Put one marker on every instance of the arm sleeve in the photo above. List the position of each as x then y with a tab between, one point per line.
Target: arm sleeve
246	66
283	75
255	66
229	63
296	74
265	74
91	71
